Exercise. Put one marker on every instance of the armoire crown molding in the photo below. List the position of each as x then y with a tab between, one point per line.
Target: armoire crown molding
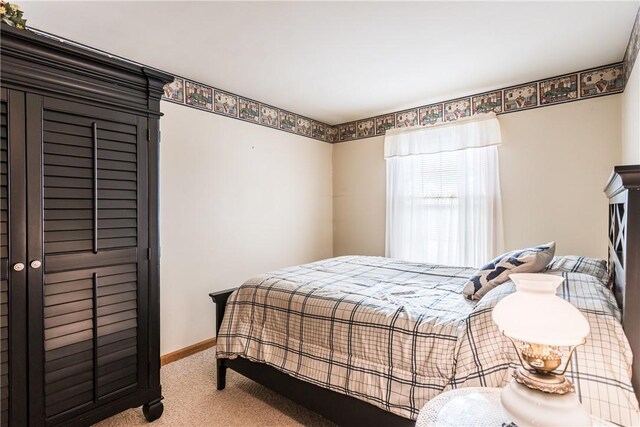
55	67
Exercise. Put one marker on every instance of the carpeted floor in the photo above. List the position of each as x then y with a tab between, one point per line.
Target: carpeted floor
191	399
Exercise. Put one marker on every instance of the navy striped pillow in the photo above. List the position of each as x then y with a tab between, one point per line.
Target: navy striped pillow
530	260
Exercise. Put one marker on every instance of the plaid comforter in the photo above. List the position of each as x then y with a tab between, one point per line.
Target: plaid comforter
396	334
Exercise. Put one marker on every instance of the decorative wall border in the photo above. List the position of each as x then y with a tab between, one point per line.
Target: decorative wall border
197	95
631	53
586	84
593	82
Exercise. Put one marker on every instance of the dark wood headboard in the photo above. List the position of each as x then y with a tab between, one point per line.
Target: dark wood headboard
623	191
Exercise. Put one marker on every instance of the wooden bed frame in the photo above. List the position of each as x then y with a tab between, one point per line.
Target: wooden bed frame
341	409
623	191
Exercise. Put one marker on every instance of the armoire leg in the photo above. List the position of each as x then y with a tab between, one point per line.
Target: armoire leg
221	374
153	410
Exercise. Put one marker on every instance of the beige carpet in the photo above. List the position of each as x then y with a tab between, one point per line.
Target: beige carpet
191	399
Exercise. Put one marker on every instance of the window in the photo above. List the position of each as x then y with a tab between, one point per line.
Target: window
442	207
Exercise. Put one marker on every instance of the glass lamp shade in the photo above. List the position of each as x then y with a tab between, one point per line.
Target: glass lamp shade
535	314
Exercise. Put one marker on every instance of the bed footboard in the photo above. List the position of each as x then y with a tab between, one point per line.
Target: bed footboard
337	407
220	299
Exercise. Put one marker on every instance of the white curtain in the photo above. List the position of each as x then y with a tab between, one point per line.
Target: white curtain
443	193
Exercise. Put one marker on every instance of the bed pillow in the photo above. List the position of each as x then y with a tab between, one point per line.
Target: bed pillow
595	267
531	260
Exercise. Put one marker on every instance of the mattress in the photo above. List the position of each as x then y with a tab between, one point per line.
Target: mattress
396	334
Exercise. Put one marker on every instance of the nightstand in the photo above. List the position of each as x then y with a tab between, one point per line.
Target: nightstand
472	406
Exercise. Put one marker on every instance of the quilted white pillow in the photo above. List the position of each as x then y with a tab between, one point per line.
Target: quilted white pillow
531	260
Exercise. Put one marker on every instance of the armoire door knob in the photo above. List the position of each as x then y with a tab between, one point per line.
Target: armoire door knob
18	266
36	263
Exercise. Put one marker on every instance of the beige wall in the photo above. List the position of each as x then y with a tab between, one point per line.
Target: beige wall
359	182
631	118
236	200
239	199
554	162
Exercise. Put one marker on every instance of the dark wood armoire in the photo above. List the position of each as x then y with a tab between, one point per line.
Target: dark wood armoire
79	233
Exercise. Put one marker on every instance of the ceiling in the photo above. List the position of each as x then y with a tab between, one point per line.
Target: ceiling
340	61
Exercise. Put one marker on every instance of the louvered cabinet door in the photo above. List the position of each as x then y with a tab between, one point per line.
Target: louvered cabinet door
13	272
94	216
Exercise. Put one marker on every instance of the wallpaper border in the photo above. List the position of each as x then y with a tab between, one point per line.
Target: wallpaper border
545	92
633	46
586	84
191	93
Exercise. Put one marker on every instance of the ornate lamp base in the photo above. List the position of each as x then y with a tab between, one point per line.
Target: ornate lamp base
548	383
529	407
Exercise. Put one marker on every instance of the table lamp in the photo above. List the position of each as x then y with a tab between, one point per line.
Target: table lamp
539	324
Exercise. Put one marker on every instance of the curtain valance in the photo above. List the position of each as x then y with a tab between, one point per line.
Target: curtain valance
477	131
